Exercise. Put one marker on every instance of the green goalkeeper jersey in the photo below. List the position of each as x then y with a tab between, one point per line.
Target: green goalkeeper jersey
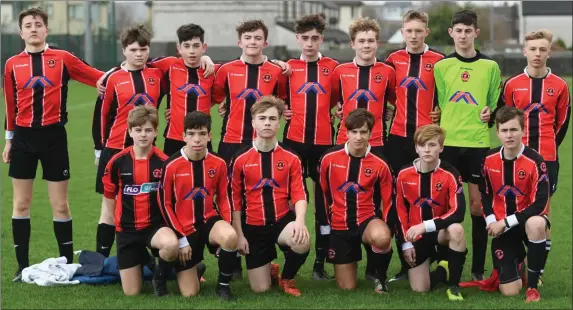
465	86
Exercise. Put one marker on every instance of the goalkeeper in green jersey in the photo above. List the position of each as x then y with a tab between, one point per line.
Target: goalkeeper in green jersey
468	84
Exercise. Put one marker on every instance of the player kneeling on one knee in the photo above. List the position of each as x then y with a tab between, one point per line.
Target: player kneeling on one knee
193	199
133	174
431	205
267	175
515	202
355	182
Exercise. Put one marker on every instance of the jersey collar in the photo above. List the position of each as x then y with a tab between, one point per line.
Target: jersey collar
518	154
265	58
357	65
187	158
319	57
426	48
348	152
274	148
548	73
435	169
45	48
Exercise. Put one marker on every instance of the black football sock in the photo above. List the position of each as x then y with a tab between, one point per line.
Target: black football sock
479	244
63	231
293	262
442	253
535	261
104	238
21	233
547	249
370	260
382	262
456	261
320	247
438	275
226	259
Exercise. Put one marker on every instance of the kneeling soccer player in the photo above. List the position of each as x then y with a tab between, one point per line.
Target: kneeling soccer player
355	184
130	180
264	177
193	199
431	205
515	203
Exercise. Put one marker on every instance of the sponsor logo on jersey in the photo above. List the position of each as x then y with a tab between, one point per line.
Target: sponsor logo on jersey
351	187
463	96
535	107
412	81
197	193
266	182
139	99
145	188
38	81
193	89
423	202
509	191
311	87
364	94
250	93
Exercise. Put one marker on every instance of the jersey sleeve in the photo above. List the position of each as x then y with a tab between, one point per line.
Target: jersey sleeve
487	197
166	200
297	188
97	120
10	92
456	204
402	207
81	71
162	63
219	86
237	185
495	87
335	93
323	218
563	113
539	195
109	100
386	191
222	198
440	86
281	88
391	88
110	179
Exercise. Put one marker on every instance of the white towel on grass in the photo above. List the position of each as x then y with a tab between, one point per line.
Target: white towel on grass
52	271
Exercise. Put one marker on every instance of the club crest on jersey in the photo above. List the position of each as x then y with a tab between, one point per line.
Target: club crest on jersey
157	173
364	94
311	87
151	80
465	76
211	172
378	77
197	193
463	96
51	63
439	186
38	81
368	171
509	191
412	81
351	187
428	66
193	89
250	93
325	71
280	165
535	107
550	91
423	202
543	167
521	174
267	77
499	254
140	99
266	182
145	188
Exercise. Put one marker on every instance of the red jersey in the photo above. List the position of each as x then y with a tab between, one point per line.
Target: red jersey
188	91
368	87
435	198
36	86
308	95
515	189
416	94
133	183
187	192
350	186
262	183
241	84
124	91
547	107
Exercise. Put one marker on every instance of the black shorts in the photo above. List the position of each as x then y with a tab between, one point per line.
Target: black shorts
132	246
262	240
172	146
105	157
468	161
197	241
49	145
228	150
344	245
425	247
553	174
400	151
309	155
508	251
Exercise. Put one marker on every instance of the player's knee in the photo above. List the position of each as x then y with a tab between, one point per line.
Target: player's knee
419	287
229	240
300	248
347	285
381	239
131	291
510	289
260	287
190	292
475	207
61	210
456	233
171	249
535	225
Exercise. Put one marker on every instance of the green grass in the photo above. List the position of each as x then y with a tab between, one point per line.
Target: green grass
85	206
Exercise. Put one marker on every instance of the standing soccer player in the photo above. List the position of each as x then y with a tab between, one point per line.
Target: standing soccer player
544	98
265	176
130	184
127	86
36	92
515	203
309	132
416	97
468	84
431	205
365	83
193	199
357	186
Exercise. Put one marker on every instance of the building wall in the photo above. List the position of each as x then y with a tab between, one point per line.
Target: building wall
347	15
286	38
560	26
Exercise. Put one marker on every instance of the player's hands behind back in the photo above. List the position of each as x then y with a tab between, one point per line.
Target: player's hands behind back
6	152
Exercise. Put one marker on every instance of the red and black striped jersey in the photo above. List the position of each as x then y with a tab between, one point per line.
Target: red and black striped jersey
124	91
133	183
354	187
191	192
308	96
416	94
435	198
241	84
262	183
188	91
36	86
515	189
547	106
368	87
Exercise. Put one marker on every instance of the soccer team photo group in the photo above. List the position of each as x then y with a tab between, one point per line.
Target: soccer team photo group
419	176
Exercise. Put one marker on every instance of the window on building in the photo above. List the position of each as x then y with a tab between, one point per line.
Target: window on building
75	11
50	9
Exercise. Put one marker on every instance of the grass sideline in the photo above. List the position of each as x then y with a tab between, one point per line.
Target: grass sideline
85	206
